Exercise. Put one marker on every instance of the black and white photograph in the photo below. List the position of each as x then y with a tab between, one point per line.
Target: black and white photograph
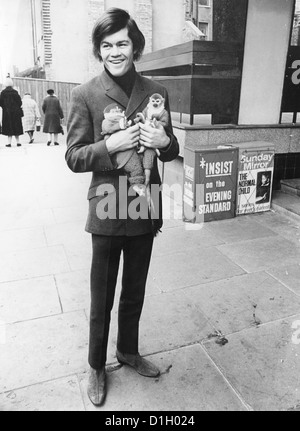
150	208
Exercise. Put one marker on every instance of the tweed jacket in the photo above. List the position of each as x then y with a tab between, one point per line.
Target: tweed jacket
87	152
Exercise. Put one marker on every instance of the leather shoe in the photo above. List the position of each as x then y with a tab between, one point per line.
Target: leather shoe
96	389
141	365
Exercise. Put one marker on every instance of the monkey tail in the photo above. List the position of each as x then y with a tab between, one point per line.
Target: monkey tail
140	117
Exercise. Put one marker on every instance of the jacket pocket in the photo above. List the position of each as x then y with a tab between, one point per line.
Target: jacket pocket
101	190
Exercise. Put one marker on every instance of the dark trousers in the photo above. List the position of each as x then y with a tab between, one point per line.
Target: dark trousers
104	271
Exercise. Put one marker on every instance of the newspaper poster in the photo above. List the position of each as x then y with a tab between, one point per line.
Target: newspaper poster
255	178
210	181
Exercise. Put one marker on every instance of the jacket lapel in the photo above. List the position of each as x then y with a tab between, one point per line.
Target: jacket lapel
138	96
113	91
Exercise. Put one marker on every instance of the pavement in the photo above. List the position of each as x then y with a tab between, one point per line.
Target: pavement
221	316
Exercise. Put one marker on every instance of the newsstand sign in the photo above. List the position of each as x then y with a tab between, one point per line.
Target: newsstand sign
256	165
210	181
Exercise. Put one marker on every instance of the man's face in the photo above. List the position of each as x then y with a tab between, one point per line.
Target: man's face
116	51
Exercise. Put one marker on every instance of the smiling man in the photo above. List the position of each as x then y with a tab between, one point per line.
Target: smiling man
117	42
116	51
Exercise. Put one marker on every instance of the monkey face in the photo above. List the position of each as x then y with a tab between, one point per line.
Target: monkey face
156	100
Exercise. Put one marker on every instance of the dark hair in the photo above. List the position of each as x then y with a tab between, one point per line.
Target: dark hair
50	91
112	21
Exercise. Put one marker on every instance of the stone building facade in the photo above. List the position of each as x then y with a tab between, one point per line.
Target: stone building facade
56	34
73	47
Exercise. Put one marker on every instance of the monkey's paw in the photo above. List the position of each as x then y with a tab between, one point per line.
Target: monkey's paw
140	189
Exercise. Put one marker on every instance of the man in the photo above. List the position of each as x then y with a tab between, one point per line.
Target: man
117	42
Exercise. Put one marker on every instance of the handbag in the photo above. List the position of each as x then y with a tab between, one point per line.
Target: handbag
38	125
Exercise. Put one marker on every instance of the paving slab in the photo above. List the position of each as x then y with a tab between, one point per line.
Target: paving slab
38	262
289	275
162	324
28	217
237	276
28	299
79	256
68	233
22	239
43	349
261	254
263	364
286	204
74	290
243	301
239	228
281	225
189	382
76	242
71	213
192	267
167	241
54	396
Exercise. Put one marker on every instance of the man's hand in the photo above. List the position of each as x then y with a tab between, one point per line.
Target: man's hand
123	140
153	137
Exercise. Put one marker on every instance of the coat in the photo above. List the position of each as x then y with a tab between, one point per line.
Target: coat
87	152
53	114
31	113
11	102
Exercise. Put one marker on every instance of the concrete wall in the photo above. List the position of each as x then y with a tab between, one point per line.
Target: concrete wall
205	14
161	22
168	23
73	60
70	40
266	45
16	48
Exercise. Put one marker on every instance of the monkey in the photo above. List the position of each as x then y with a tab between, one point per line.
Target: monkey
130	161
136	164
156	109
114	120
154	113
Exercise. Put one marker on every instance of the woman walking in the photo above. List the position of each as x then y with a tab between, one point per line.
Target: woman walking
11	104
31	115
53	116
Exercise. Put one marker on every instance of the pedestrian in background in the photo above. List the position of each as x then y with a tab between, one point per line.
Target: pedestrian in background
53	115
12	113
31	115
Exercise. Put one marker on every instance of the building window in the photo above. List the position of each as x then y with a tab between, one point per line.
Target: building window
47	32
204	3
203	26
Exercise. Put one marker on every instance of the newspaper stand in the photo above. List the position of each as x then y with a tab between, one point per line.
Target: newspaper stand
210	182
